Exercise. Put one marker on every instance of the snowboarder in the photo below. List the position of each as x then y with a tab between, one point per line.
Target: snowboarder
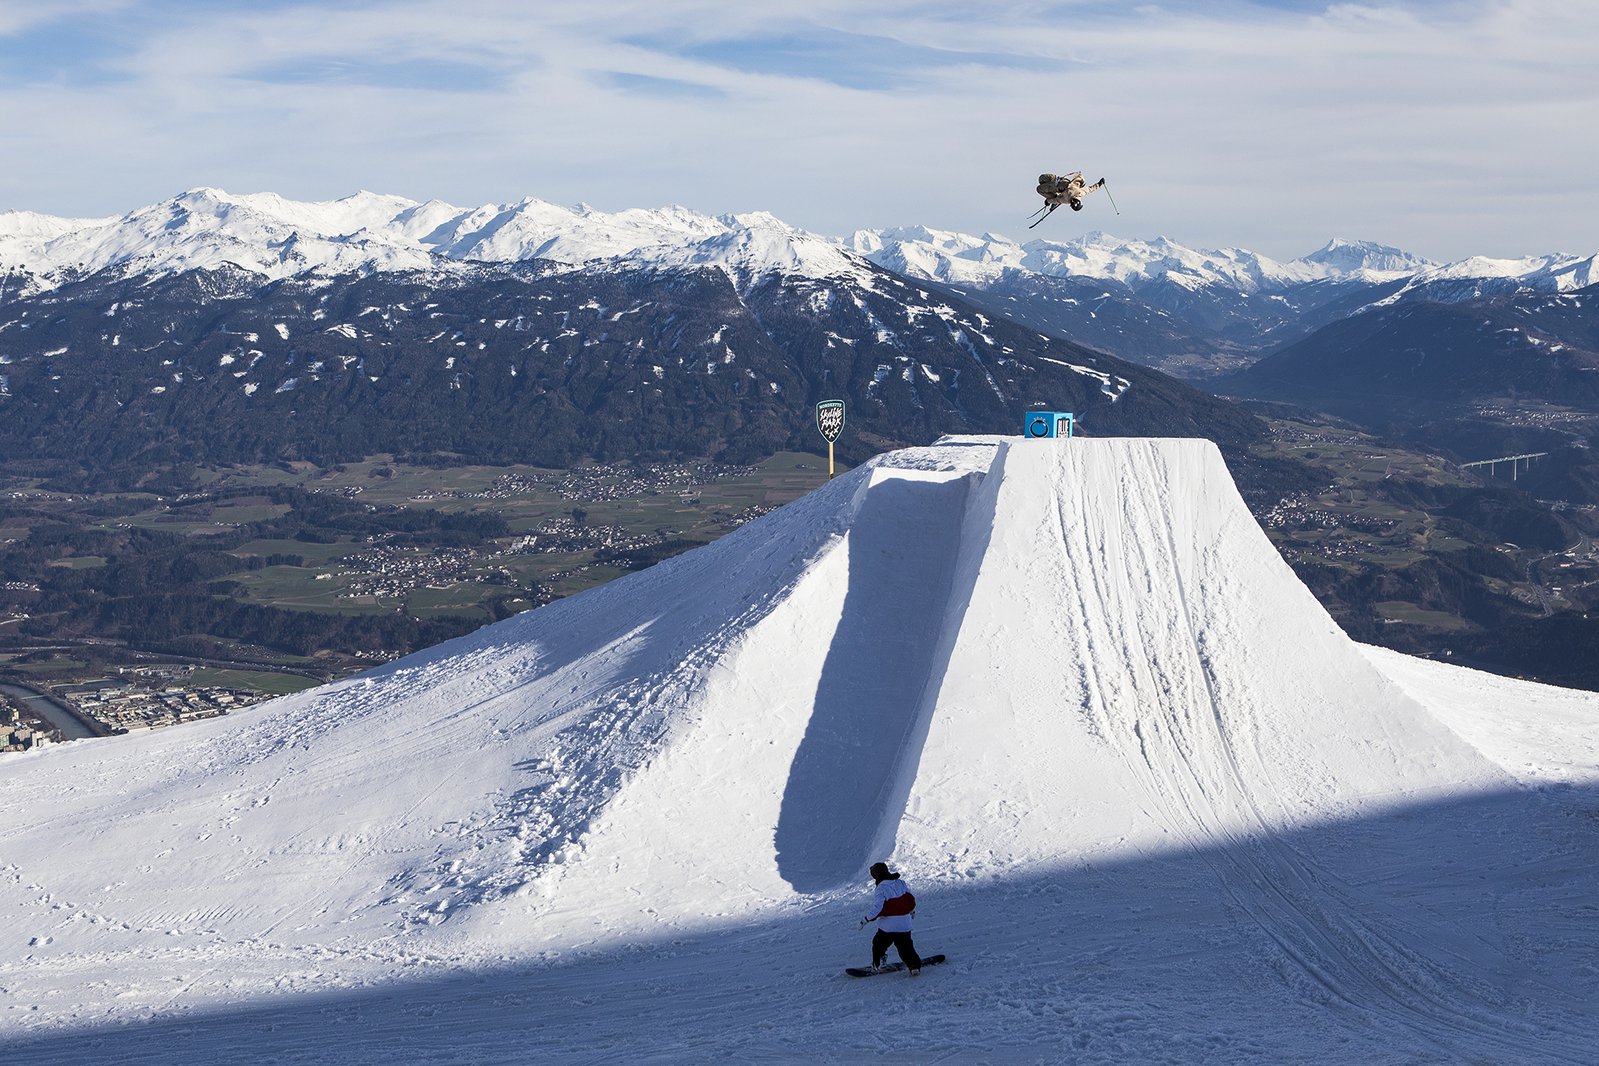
893	907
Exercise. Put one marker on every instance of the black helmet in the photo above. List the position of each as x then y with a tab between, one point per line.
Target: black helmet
879	872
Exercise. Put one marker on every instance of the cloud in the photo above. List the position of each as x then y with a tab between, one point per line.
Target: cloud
1452	129
656	88
434	75
62	45
849	60
21	16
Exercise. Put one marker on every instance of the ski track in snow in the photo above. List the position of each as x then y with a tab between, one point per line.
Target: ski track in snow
1155	806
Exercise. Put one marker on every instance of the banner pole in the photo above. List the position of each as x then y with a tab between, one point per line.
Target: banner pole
830	460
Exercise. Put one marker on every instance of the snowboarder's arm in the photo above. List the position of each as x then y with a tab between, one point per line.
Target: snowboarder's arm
879	898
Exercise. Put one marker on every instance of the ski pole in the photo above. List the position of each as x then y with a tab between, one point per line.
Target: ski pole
1111	199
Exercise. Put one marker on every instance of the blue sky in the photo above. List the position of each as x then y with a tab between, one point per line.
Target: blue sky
1448	128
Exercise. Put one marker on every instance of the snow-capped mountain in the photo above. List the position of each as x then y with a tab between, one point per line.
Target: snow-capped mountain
1356	256
267	234
206	229
756	245
187	348
1153	804
1200	313
962	259
1479	277
1195	313
1453	343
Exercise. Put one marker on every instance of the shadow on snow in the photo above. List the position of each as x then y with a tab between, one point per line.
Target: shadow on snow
854	768
1455	931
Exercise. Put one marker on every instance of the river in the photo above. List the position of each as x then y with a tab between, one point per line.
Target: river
72	725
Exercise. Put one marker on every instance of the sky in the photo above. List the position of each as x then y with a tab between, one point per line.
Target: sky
1448	128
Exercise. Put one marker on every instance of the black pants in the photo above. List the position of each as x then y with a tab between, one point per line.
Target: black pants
902	944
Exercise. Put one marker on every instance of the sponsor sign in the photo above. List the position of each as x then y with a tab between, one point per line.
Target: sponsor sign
830	419
1041	424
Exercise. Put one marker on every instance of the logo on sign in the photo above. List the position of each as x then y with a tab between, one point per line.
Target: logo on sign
830	419
1040	424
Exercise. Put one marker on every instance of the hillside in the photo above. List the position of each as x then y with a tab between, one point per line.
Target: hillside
1470	368
1154	804
1401	359
110	377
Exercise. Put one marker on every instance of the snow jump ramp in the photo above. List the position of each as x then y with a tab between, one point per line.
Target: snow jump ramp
1051	679
1093	646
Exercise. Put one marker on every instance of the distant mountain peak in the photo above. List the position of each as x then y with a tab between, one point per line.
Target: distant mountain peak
1352	256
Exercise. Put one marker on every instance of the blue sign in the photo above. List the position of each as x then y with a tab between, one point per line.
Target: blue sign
1047	424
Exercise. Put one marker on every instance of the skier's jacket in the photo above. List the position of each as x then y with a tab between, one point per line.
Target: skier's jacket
894	906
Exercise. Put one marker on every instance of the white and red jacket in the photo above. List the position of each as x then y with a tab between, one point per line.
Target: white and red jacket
894	907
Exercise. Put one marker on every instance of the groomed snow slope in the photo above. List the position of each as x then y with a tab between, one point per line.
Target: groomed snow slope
1155	806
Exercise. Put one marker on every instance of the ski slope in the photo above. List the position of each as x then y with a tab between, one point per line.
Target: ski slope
1155	806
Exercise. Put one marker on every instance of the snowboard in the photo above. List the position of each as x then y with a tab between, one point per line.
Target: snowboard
893	967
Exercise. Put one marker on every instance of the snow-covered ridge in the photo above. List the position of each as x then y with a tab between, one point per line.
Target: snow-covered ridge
1479	276
959	258
267	234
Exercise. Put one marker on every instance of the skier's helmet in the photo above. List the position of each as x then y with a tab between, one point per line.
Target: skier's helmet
1077	205
879	871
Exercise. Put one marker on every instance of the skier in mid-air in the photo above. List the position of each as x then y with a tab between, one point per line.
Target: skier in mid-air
892	909
1067	189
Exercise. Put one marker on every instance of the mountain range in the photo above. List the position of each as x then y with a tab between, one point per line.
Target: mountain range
1197	313
275	237
228	329
1441	346
225	328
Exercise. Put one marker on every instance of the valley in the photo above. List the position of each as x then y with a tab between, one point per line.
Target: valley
300	574
1413	551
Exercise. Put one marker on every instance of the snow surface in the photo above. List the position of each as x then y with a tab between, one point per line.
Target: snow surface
1155	807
